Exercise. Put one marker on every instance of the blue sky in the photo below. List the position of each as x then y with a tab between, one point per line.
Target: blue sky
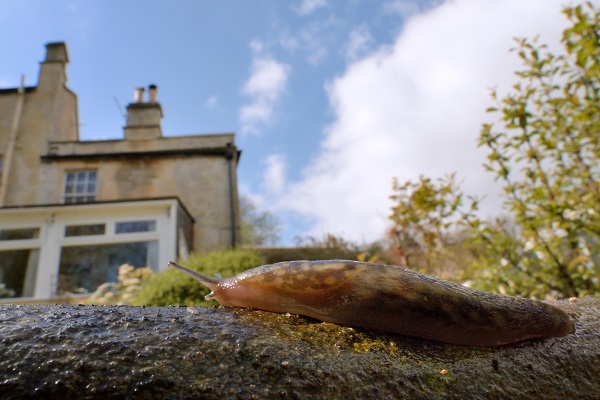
329	99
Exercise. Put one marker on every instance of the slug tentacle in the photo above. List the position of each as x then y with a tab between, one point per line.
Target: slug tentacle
209	282
388	298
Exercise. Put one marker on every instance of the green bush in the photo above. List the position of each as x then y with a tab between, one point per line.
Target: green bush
545	150
172	287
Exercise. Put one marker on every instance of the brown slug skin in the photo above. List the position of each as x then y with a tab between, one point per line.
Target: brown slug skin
388	298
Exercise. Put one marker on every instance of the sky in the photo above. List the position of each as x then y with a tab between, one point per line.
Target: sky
329	100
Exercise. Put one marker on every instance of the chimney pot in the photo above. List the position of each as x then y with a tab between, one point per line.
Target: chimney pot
138	95
152	89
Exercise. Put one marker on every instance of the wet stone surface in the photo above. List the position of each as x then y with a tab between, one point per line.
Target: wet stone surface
179	353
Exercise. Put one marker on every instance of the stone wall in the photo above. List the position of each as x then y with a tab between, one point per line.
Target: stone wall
177	353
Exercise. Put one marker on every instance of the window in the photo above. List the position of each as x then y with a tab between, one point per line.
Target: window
135	226
18	261
19	234
85	230
84	268
18	269
80	186
85	264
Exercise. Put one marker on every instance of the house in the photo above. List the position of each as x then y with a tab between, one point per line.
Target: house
72	211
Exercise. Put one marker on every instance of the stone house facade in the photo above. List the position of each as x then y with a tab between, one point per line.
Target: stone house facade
72	211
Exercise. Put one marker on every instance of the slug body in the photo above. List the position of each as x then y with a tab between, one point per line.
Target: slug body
388	298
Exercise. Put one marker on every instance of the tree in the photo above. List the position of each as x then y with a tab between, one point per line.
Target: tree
258	227
423	216
545	150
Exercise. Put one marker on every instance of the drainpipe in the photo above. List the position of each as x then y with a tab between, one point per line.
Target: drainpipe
12	139
229	156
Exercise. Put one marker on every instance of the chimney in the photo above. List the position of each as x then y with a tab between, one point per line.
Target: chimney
57	52
152	89
138	95
53	71
143	119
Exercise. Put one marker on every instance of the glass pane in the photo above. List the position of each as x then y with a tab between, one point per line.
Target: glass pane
19	234
80	186
135	226
87	267
18	269
85	230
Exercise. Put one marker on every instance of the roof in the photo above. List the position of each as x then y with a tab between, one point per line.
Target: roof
16	90
97	203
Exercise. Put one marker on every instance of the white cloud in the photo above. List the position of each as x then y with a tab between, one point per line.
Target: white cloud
274	173
415	108
255	198
358	42
257	47
308	6
313	40
268	80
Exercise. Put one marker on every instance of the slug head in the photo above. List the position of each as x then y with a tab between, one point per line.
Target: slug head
226	291
209	282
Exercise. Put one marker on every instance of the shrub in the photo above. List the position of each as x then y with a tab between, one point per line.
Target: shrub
545	150
172	287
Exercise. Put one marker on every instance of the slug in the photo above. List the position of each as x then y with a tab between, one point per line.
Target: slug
388	298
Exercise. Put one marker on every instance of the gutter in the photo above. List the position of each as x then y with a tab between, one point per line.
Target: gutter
230	156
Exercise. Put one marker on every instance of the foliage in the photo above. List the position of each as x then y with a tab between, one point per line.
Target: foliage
130	281
364	257
336	247
172	287
546	152
258	227
422	215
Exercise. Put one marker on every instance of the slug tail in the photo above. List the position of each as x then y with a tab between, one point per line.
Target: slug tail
211	283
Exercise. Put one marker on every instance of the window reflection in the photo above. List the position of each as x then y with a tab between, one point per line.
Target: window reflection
19	234
80	186
87	267
135	226
85	230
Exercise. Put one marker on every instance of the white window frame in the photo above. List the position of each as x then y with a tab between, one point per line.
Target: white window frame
74	196
110	237
24	244
52	221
